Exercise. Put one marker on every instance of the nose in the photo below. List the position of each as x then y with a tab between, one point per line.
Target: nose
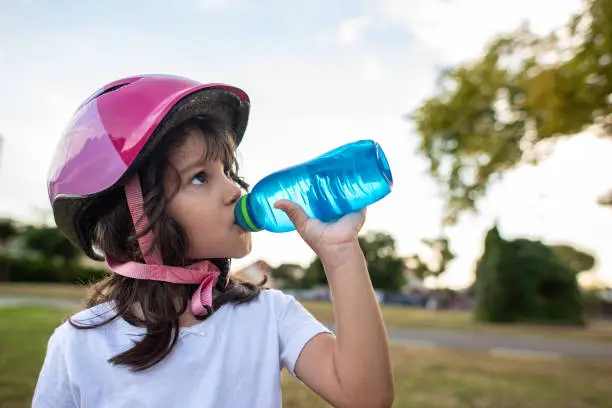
234	192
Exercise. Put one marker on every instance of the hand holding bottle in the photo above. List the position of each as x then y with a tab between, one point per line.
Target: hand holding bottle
328	240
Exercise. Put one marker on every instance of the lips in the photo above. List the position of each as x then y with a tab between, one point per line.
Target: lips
235	224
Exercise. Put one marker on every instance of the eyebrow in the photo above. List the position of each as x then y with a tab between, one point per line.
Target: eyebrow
191	166
203	159
201	162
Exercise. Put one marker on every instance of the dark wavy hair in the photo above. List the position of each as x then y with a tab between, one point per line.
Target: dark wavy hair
108	224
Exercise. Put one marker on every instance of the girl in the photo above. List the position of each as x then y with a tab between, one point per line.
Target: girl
145	179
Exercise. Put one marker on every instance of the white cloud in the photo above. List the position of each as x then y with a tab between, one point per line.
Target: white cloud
351	30
459	29
210	5
371	69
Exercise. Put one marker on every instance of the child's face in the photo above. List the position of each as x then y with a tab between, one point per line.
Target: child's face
204	204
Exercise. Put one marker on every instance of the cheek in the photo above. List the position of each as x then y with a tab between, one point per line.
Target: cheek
181	212
177	212
208	231
204	229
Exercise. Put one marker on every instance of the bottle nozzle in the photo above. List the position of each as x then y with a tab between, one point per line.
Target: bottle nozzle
242	217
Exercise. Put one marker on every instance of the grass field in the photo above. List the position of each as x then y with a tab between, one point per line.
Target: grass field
411	318
424	378
395	317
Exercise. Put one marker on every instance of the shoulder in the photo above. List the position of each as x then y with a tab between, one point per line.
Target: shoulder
274	300
295	325
73	354
68	335
95	315
275	297
289	313
269	307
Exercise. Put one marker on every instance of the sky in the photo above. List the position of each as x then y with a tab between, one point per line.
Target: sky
320	73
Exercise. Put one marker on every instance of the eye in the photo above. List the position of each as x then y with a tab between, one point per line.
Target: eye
199	178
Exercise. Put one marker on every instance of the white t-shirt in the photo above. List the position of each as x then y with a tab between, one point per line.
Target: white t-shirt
233	359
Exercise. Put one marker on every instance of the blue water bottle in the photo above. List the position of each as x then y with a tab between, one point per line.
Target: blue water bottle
343	180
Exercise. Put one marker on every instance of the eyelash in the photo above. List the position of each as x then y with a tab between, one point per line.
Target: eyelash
228	173
198	174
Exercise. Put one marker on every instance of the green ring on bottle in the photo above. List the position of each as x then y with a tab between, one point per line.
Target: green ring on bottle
245	214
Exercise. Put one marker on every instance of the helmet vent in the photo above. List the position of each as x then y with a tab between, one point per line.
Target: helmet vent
111	89
100	93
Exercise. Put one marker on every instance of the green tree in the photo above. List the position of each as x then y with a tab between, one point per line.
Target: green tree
49	243
385	267
442	256
8	230
288	274
315	274
577	260
490	115
525	281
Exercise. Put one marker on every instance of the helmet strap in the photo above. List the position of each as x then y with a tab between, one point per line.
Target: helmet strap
204	273
133	194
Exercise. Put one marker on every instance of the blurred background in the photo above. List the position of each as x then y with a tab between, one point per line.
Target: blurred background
491	257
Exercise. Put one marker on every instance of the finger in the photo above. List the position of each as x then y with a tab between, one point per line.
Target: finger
295	213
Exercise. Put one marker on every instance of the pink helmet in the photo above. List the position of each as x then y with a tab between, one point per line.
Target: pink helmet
117	126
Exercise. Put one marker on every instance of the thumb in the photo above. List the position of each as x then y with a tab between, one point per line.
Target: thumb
295	213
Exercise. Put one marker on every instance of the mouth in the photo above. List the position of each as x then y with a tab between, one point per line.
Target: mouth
240	229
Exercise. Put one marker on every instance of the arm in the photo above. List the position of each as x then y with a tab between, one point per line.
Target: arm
354	368
53	388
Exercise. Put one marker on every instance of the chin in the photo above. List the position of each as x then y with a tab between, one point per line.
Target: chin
235	252
234	248
242	252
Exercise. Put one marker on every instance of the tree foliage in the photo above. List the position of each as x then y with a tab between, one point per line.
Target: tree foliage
385	267
489	115
442	256
289	275
33	269
8	230
525	281
42	254
577	260
50	243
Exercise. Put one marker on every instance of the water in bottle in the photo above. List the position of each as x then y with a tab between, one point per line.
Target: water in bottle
343	180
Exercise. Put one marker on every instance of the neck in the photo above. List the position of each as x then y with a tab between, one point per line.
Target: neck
185	320
188	319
